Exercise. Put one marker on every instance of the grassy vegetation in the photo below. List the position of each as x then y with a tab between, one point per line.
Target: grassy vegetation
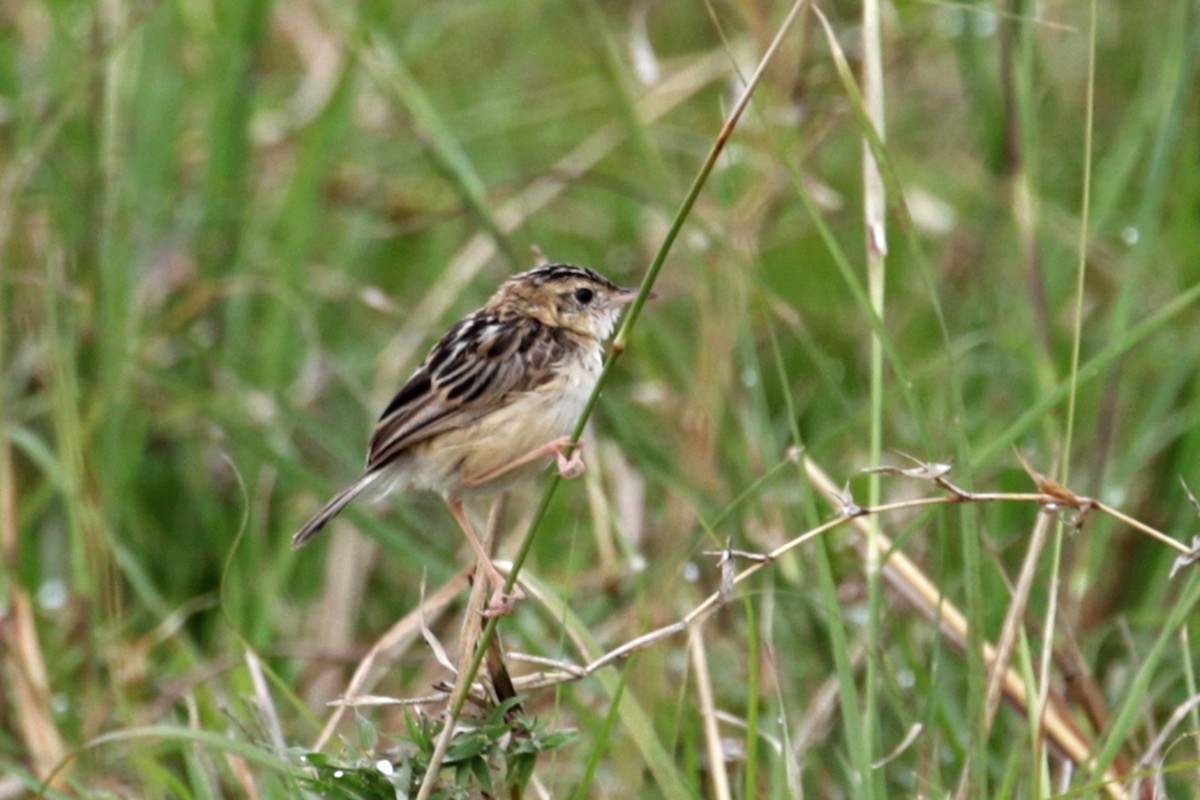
229	230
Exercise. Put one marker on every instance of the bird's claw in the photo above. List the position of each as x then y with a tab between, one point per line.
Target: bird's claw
571	466
502	603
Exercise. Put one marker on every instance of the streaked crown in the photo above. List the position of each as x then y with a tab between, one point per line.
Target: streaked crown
565	296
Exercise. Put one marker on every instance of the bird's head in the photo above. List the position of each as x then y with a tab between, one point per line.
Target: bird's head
565	296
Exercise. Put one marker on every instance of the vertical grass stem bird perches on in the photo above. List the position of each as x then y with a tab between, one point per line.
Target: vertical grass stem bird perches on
494	400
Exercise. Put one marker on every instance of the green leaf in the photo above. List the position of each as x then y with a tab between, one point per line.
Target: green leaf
368	737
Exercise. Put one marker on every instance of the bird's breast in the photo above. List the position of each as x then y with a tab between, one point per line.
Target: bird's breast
527	421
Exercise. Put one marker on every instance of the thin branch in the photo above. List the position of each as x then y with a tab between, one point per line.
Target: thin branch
405	631
902	574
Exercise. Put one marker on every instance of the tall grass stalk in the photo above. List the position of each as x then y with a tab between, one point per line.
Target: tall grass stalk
875	228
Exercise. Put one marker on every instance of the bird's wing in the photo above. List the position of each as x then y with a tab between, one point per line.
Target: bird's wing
472	371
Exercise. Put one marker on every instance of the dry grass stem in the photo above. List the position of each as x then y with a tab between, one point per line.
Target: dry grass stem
901	573
397	638
244	775
914	731
343	589
737	722
1151	763
905	576
262	699
469	640
708	713
1012	619
21	658
821	709
435	644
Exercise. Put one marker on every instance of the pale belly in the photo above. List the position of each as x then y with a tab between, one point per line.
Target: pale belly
528	421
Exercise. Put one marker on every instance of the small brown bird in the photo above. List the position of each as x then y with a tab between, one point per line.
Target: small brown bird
495	398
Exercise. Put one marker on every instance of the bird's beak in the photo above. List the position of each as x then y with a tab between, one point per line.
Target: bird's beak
625	296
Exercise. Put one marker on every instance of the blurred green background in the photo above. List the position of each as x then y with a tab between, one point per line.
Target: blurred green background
229	229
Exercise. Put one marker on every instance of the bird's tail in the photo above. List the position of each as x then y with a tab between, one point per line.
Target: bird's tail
332	509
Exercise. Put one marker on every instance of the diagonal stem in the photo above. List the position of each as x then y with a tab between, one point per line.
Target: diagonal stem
461	687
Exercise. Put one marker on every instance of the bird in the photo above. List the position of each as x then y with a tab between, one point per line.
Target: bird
494	401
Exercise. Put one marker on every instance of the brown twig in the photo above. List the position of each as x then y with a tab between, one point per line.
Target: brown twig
708	712
400	635
902	573
21	659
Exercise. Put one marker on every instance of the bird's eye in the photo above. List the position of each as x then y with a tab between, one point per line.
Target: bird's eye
584	295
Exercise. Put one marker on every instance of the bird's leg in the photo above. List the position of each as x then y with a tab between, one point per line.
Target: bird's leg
568	466
501	603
